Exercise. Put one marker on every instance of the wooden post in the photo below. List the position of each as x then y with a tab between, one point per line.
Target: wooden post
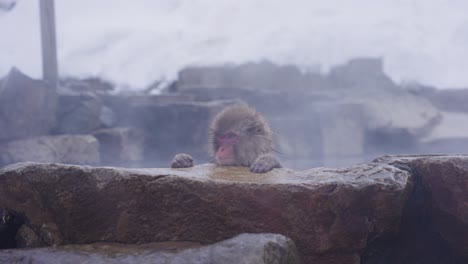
48	41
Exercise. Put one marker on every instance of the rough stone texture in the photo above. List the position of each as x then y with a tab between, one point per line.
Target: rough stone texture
443	199
78	113
245	248
120	146
73	149
27	107
329	213
27	238
10	223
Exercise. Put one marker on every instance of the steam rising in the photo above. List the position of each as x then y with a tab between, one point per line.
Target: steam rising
134	43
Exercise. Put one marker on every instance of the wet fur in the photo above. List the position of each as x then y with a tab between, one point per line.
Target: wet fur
255	143
255	136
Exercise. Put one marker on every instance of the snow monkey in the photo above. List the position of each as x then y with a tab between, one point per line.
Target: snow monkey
239	136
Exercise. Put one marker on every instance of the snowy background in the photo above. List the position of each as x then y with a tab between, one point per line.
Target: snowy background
133	43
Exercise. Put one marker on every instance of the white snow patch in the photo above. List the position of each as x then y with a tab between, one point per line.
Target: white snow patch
134	43
452	125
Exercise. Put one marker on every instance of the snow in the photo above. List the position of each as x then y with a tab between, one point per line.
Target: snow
452	125
134	43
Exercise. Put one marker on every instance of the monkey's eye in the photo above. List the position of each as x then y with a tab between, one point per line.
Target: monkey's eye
254	130
227	136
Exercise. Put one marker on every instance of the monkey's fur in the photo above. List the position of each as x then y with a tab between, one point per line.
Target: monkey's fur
239	136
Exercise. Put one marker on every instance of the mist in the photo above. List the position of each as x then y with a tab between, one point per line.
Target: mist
132	44
113	155
340	82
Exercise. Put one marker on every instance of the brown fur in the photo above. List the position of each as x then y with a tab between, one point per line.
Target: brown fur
254	143
255	134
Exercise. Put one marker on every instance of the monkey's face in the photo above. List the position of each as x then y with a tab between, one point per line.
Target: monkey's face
240	147
238	135
225	148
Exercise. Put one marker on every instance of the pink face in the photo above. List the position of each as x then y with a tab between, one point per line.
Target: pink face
225	153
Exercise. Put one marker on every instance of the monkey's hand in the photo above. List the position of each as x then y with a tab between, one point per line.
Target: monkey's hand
264	163
182	161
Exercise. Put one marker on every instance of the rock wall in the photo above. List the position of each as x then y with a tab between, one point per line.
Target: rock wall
437	212
344	117
245	248
361	214
27	107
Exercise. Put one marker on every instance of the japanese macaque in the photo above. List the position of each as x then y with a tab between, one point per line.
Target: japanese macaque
239	136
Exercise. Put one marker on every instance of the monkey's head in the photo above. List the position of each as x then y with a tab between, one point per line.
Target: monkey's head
238	135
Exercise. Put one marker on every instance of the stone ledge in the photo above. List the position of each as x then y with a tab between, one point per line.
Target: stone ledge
442	198
245	248
334	212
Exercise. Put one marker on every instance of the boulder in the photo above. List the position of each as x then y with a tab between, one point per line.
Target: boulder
244	248
442	202
73	149
399	110
27	107
120	146
361	73
26	237
78	113
328	213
